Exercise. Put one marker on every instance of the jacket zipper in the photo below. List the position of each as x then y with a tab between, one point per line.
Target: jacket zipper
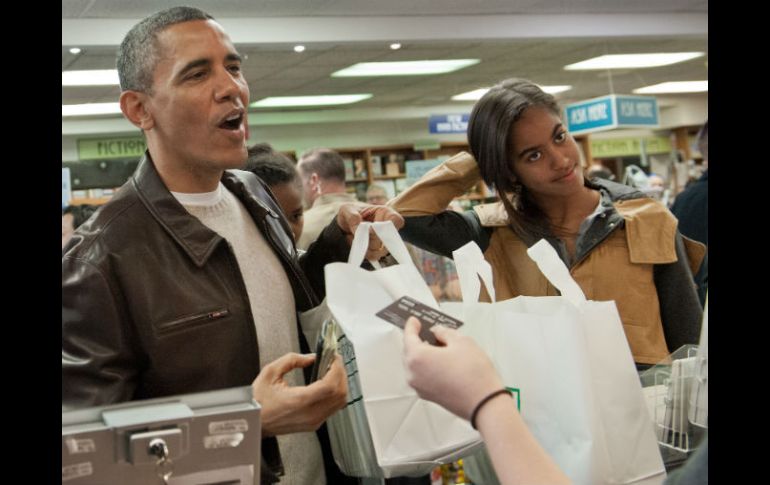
194	320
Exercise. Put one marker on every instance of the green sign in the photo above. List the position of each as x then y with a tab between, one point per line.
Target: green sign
105	148
626	147
426	145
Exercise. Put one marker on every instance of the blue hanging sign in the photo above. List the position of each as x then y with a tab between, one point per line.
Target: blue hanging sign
610	112
448	123
66	187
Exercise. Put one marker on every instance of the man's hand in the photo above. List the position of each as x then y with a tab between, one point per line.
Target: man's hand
351	215
287	409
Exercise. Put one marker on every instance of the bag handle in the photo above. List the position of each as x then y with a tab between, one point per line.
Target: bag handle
471	265
554	269
389	236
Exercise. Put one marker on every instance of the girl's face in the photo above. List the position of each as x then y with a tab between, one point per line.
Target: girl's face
545	157
289	197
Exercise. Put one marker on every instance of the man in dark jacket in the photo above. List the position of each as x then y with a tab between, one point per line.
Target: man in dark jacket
189	279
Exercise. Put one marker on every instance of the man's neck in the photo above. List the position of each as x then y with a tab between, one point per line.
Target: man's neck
187	179
333	187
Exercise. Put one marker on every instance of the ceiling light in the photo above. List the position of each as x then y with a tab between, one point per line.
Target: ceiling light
675	87
478	93
75	50
474	95
555	89
404	68
90	109
321	100
624	61
395	46
299	48
90	78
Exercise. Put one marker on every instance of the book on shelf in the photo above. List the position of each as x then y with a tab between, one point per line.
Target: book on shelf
359	168
392	168
415	169
348	168
376	165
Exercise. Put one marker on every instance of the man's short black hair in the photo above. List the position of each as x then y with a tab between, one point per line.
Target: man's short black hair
327	163
138	52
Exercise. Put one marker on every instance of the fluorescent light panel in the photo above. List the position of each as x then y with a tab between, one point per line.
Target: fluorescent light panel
478	93
404	68
89	109
321	100
675	87
630	61
104	77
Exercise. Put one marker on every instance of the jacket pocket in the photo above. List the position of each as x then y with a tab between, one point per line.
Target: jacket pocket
189	321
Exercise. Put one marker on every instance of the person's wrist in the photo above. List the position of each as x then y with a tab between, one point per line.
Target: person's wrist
484	401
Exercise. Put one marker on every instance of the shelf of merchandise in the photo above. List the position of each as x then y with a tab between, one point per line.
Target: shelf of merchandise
445	150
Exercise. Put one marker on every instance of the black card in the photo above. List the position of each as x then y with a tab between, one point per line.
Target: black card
400	310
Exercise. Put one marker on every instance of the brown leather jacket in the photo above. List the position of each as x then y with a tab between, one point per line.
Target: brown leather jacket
153	302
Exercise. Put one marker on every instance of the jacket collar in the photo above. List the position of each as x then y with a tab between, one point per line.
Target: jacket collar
197	240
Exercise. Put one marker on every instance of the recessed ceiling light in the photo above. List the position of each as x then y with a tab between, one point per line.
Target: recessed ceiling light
75	50
320	100
555	89
624	61
476	94
89	109
404	68
675	87
102	77
299	48
395	46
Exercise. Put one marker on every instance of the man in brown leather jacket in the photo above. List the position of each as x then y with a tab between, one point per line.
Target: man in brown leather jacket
189	279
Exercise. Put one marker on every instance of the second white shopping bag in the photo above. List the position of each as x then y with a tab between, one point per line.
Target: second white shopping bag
410	435
571	369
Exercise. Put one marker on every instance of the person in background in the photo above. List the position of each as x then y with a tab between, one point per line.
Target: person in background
188	279
323	181
657	189
72	217
691	207
376	195
617	243
472	389
280	174
656	182
599	171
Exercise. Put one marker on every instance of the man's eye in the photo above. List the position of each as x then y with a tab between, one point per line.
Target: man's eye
196	75
235	69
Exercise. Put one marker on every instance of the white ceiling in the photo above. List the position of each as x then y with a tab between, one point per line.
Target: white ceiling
321	8
521	38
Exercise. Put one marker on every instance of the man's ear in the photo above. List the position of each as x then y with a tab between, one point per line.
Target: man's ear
315	182
133	106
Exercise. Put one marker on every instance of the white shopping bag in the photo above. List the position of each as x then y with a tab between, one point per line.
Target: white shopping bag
410	435
568	361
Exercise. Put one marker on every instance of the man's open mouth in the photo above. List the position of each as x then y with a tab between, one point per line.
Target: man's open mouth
232	122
